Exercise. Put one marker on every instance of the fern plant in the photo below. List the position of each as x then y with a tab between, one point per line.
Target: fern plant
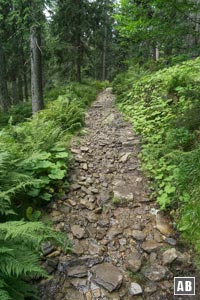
11	181
33	162
19	256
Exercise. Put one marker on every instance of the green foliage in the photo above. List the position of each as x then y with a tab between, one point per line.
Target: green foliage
165	26
167	102
34	158
94	18
16	114
191	120
20	244
180	138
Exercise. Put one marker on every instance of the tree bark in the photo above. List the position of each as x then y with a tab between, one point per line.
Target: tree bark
25	85
20	88
4	98
157	53
104	54
24	73
36	70
78	42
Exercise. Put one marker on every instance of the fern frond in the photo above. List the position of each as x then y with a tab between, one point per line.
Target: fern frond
20	262
4	250
31	233
12	180
20	242
17	289
4	295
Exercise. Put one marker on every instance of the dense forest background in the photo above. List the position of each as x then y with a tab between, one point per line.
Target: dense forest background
55	55
62	41
67	40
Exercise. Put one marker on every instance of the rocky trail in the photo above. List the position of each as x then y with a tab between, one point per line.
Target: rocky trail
124	247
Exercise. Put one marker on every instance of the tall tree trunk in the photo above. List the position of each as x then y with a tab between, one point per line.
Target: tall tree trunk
25	85
78	64
157	53
20	88
36	70
4	98
197	32
24	72
104	54
78	42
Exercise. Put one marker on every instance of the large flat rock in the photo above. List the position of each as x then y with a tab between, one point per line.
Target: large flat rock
107	276
122	191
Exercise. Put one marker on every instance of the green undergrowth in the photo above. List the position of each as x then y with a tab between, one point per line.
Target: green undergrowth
16	114
22	111
20	253
34	154
164	108
34	160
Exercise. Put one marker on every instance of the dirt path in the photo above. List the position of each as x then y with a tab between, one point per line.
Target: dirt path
123	247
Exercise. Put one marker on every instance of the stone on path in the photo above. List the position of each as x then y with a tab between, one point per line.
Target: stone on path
125	157
170	241
75	186
78	271
184	258
84	149
94	247
122	192
107	276
78	231
86	204
75	151
138	235
156	273
169	256
85	166
92	217
133	262
71	202
135	289
150	288
113	232
163	225
150	246
109	119
79	283
72	294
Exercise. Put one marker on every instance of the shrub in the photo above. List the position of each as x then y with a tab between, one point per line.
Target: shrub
164	109
34	153
34	159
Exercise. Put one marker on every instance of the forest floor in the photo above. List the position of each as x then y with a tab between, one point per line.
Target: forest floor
124	247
